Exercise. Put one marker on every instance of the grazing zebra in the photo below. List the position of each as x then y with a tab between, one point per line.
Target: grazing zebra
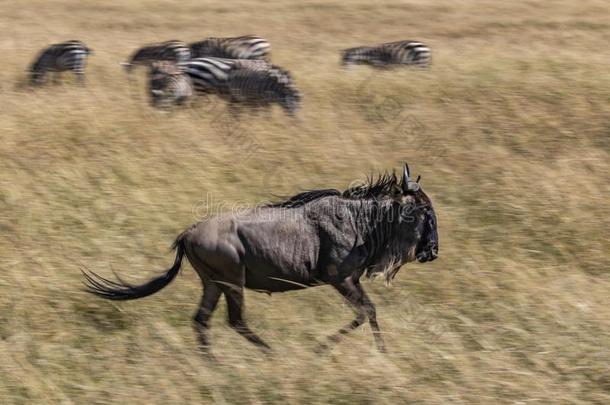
244	47
168	84
263	88
69	55
173	51
388	54
210	75
254	82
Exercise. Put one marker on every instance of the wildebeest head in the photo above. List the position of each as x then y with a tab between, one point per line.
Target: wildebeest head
417	206
401	222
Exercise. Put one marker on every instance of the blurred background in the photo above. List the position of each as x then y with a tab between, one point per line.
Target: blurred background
509	129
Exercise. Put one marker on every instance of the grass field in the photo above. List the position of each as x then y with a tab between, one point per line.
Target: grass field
509	128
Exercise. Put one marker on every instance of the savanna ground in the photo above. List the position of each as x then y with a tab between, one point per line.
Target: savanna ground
510	130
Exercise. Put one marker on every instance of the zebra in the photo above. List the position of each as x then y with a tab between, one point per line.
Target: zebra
70	55
210	75
174	51
244	47
253	82
168	84
263	88
388	54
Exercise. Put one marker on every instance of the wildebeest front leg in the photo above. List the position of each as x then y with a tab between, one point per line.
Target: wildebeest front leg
235	302
371	313
354	294
211	295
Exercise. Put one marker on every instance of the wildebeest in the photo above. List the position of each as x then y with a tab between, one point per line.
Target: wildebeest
314	238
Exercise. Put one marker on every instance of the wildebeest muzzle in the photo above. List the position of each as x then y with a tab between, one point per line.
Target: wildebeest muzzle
428	253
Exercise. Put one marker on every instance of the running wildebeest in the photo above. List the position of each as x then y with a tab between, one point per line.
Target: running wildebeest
314	238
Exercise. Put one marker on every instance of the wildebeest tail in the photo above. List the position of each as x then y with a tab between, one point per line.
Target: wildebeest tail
120	290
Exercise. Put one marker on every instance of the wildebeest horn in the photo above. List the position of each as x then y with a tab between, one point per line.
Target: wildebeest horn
405	178
406	173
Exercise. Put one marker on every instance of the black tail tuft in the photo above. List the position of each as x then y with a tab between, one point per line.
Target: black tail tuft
120	290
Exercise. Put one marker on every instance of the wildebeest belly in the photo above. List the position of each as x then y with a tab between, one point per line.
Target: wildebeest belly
279	255
270	278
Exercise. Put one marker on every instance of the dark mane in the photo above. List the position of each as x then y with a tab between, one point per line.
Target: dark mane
381	186
374	187
304	197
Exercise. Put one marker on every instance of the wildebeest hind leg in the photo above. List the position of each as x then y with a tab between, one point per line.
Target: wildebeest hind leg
235	302
211	295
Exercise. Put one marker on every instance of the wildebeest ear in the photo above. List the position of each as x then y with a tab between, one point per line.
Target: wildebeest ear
396	192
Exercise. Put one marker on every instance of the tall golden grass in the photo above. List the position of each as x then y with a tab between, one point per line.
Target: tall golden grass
509	129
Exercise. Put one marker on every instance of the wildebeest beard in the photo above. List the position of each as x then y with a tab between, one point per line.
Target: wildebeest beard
391	234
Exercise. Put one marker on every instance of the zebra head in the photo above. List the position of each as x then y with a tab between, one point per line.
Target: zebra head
291	100
351	57
160	79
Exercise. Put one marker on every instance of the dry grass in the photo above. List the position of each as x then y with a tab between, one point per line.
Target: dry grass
510	129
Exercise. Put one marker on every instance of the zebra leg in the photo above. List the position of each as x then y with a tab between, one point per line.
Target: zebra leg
235	303
211	295
80	77
234	108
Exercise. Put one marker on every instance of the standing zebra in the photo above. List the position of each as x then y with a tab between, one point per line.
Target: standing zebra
244	47
388	54
69	55
168	84
173	51
263	88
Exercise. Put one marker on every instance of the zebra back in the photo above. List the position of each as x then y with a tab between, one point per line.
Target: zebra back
244	47
173	51
210	75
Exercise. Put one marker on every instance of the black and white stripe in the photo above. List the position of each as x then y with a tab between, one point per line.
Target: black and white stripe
388	54
264	87
244	47
251	82
173	51
69	55
168	84
210	75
